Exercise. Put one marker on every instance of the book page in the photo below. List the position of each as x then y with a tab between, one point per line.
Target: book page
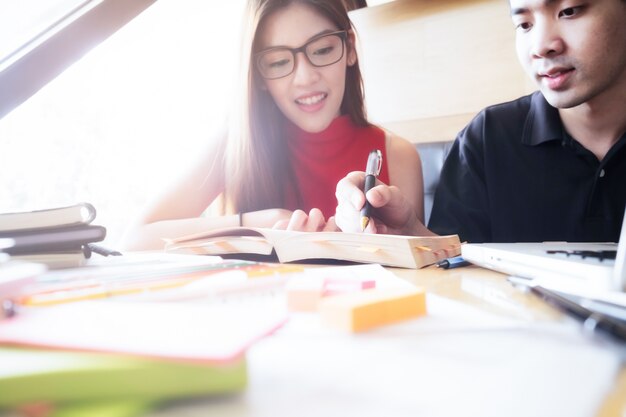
290	246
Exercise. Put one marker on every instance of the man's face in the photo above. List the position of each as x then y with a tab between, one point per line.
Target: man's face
574	50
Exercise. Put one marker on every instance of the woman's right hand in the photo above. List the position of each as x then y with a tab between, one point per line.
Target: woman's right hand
392	213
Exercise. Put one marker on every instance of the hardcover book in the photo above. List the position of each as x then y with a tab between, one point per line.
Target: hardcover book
57	239
74	215
289	246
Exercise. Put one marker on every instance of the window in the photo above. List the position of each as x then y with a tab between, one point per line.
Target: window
25	24
124	119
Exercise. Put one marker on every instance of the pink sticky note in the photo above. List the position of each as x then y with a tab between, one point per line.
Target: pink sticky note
334	286
304	293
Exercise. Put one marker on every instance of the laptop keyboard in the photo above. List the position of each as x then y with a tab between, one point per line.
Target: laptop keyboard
594	254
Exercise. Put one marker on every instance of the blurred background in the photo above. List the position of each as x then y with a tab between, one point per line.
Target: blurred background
119	123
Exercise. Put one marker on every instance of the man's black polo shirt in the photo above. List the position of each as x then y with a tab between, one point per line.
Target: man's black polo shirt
515	175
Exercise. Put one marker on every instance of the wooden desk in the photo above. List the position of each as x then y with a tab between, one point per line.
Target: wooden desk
492	293
419	369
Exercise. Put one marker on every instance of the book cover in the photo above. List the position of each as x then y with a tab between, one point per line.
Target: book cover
59	377
212	332
52	239
289	246
108	408
77	214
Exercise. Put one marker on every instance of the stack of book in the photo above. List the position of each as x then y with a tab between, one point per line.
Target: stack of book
58	237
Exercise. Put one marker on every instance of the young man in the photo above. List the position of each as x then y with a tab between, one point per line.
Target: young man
548	166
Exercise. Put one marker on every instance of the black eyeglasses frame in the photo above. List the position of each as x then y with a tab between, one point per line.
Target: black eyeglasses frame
343	34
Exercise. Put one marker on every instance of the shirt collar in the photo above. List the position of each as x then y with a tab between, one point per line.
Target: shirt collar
543	123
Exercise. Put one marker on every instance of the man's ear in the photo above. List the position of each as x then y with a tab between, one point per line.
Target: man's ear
351	57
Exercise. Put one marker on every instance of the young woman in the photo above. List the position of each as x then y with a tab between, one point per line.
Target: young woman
299	127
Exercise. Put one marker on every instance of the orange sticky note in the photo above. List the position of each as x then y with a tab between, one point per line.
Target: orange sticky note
363	310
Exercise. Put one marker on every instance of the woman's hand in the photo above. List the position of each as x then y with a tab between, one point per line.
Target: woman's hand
265	218
312	222
392	214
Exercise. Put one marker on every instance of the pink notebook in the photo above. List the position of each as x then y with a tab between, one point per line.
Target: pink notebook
215	332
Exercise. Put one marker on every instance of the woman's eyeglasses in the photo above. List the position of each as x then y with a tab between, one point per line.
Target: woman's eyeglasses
321	51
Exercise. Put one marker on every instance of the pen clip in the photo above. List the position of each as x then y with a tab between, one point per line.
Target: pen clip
374	162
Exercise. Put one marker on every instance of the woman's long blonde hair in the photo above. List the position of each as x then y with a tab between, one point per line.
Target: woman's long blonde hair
257	168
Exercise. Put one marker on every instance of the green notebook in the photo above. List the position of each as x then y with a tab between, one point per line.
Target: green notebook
127	408
58	377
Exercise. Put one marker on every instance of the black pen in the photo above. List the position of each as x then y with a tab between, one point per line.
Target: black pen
101	250
374	163
455	262
592	320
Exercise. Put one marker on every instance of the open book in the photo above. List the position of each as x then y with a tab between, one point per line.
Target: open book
289	246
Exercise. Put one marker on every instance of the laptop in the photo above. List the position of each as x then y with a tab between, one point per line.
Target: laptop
576	266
